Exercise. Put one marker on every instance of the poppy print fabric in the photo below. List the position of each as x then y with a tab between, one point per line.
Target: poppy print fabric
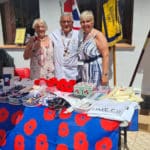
40	128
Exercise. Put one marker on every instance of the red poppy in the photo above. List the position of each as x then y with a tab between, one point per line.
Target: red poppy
81	119
80	141
63	129
63	115
19	142
52	82
72	82
61	85
49	114
2	137
30	126
71	85
104	144
109	125
3	114
41	142
22	72
68	87
17	117
37	82
62	147
42	81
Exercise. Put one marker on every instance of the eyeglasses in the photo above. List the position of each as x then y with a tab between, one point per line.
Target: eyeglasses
66	21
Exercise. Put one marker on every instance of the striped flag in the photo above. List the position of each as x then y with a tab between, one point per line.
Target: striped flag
71	6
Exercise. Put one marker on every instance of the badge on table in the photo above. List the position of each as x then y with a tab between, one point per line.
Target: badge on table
7	78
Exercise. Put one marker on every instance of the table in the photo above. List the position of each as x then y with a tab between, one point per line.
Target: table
39	128
133	126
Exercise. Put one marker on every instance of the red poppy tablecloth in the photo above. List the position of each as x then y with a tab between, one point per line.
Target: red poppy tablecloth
39	128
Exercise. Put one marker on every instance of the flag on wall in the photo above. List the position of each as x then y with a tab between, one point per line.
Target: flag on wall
71	6
111	24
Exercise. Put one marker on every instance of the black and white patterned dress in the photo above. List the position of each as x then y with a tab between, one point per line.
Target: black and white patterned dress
91	58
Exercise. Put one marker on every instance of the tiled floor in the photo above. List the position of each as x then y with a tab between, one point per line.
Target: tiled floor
139	140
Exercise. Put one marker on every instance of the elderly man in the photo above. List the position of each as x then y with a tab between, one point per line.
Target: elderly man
65	43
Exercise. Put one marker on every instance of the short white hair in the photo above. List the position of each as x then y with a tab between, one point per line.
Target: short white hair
38	21
87	14
66	14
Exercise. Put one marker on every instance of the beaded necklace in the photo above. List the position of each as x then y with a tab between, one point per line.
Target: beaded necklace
66	45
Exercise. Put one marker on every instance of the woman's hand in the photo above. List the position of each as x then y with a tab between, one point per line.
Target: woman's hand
28	50
104	80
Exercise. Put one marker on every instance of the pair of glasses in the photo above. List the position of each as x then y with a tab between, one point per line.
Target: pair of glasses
63	21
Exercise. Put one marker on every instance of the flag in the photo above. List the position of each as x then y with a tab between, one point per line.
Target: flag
71	6
111	25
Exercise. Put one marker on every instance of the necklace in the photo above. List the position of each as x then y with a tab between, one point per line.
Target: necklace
41	39
66	47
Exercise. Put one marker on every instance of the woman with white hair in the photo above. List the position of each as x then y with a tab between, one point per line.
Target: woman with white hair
93	48
39	50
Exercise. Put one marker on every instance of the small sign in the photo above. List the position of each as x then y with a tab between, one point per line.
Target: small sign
8	76
20	35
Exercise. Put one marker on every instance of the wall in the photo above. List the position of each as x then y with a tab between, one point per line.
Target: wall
126	60
1	33
17	54
50	11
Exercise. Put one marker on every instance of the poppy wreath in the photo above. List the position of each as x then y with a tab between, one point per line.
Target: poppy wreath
66	86
62	84
40	81
52	82
70	85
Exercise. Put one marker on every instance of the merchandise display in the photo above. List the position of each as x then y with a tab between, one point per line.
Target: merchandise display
51	114
83	88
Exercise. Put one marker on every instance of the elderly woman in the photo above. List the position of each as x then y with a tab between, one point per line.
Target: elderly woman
93	49
39	50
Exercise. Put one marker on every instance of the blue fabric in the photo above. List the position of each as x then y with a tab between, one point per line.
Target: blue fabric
36	128
134	123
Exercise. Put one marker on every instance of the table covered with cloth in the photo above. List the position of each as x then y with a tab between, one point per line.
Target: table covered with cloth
40	128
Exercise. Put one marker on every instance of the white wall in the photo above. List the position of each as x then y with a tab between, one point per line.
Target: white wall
1	33
126	60
50	11
18	57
